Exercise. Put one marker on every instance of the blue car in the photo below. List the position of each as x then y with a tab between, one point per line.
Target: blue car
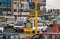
9	36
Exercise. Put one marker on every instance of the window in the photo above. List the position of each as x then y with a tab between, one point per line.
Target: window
1	37
4	0
4	5
16	37
28	25
15	10
9	0
53	37
19	23
3	20
12	37
0	3
30	1
58	36
10	20
45	37
14	2
40	23
22	5
48	37
9	5
5	37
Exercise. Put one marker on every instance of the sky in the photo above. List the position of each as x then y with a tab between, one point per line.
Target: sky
52	4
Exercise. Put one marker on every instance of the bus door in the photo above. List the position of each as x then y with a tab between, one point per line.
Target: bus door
48	36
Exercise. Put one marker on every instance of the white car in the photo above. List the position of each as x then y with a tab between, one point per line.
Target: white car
20	22
41	25
1	28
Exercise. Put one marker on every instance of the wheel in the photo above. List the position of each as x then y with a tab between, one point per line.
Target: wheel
36	36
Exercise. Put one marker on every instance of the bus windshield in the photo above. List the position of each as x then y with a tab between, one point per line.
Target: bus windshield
14	37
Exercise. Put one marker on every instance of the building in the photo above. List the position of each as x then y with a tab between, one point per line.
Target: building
41	4
5	7
20	7
6	10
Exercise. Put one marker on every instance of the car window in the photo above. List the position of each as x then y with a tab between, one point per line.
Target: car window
53	37
58	36
48	37
40	23
1	37
45	37
5	37
12	37
16	37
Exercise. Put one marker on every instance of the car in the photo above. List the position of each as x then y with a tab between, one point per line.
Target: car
1	28
41	25
19	24
9	36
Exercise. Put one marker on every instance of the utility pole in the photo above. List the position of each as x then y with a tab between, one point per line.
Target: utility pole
36	17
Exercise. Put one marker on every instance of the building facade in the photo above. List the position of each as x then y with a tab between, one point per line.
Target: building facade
20	7
5	7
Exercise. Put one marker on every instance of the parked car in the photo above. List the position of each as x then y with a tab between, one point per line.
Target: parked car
19	24
1	28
